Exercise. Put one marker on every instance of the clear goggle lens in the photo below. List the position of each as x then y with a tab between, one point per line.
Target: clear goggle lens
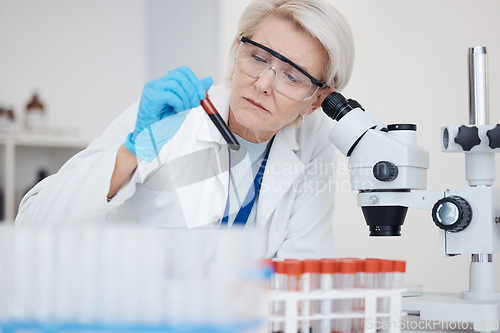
288	81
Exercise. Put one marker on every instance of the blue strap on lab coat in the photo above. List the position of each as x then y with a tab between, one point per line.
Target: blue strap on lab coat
244	213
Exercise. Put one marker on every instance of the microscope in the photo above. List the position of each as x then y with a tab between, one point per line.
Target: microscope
386	166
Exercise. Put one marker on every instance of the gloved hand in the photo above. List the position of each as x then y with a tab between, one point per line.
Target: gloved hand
164	105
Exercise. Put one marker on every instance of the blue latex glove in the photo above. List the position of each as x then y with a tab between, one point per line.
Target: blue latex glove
164	105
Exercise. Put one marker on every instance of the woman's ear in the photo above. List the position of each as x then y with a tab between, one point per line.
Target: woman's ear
320	97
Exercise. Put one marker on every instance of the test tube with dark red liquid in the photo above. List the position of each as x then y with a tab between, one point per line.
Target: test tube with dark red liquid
219	123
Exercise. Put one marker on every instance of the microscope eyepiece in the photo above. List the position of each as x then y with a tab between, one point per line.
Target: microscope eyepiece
336	106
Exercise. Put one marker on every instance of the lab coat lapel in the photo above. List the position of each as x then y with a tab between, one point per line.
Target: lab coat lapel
282	170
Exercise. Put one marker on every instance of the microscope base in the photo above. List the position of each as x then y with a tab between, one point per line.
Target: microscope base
467	295
485	315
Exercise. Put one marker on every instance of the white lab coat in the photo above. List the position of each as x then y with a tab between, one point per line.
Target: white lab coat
294	207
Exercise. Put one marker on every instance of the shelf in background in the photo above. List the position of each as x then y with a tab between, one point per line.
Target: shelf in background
45	140
21	153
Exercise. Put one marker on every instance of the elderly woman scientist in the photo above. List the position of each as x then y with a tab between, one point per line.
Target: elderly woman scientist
162	162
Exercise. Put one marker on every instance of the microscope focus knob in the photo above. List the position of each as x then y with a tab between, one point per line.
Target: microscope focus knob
385	171
452	213
494	137
467	137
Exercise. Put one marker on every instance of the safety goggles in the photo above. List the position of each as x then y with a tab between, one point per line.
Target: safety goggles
290	80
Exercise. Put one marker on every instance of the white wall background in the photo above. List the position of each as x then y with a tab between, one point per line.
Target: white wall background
85	58
89	60
182	33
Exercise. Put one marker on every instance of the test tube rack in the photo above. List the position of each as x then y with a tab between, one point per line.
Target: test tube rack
374	320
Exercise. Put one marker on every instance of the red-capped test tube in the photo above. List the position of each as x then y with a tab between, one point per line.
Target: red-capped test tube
385	275
358	303
360	275
278	282
371	269
268	268
294	273
337	278
327	270
311	269
385	282
346	280
399	269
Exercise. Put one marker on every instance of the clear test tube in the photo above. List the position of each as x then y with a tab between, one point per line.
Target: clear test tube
311	269
360	275
294	275
385	280
278	282
337	277
398	271
346	280
358	279
371	270
327	269
268	271
386	274
358	303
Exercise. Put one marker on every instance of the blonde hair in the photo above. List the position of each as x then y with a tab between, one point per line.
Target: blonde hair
315	17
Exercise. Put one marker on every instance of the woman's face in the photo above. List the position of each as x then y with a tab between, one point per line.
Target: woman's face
257	111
